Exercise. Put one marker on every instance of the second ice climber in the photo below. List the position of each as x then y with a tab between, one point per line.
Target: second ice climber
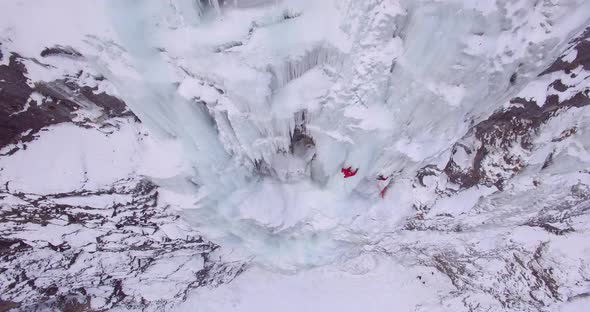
382	185
348	172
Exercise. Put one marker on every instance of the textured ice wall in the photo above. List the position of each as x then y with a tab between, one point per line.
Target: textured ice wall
151	93
385	86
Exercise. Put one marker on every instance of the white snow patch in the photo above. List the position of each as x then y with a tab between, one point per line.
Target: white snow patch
374	117
453	95
386	287
576	305
462	202
67	157
21	22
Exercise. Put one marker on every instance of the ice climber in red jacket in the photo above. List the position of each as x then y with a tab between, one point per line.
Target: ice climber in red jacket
348	172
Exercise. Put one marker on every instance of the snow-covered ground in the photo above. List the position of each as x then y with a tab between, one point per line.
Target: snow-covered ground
207	139
372	283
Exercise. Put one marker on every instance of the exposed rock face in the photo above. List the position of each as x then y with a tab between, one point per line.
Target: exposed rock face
522	266
55	252
495	149
517	154
88	249
25	109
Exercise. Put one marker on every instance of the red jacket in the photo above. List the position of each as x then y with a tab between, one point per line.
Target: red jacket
348	172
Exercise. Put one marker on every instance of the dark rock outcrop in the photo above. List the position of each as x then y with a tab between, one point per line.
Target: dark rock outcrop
26	107
492	144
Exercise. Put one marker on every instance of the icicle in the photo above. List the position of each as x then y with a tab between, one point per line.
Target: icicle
215	4
295	68
156	102
190	10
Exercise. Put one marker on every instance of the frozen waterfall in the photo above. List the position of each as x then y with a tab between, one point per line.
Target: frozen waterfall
270	99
